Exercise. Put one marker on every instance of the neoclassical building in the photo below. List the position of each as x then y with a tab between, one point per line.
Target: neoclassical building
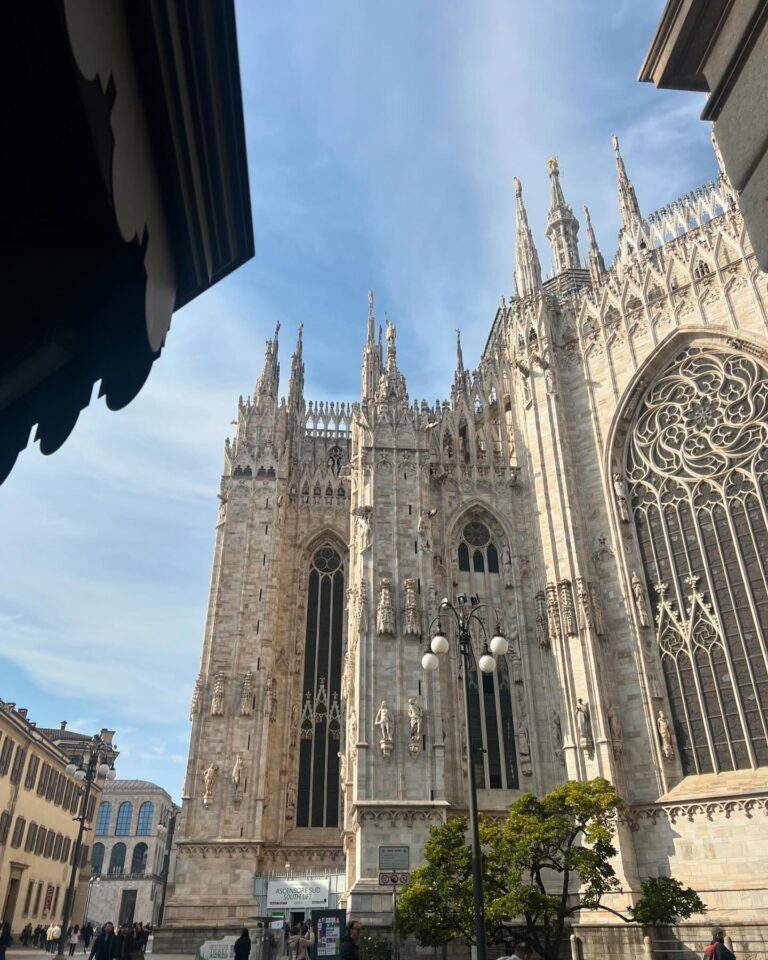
600	481
128	864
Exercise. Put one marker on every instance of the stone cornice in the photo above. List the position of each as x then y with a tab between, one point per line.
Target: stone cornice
692	809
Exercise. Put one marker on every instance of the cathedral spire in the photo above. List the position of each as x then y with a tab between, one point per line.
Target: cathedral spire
628	205
371	355
296	385
528	272
459	356
562	226
268	383
596	262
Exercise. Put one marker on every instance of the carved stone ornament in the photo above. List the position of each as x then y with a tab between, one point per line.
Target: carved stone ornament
270	699
217	703
584	724
542	620
597	608
415	717
412	620
197	695
639	596
246	695
386	723
385	614
567	608
210	776
362	607
620	496
665	735
237	778
290	800
553	613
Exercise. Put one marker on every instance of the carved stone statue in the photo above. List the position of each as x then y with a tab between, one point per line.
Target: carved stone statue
217	703
665	734
210	776
515	660
352	731
237	772
385	614
621	497
362	607
290	800
364	518
342	771
583	724
524	751
557	736
197	693
294	724
415	715
597	608
639	594
425	527
246	695
385	721
412	622
506	563
270	699
614	727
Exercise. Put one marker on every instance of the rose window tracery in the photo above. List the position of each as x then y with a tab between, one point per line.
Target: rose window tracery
697	478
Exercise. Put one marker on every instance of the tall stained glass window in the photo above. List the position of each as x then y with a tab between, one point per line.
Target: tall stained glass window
317	801
697	470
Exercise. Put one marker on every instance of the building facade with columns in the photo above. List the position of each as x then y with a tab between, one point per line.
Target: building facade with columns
600	481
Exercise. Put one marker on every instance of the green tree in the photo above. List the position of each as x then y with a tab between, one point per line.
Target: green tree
548	860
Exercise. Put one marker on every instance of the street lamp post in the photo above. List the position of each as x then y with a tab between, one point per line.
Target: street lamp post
487	663
90	765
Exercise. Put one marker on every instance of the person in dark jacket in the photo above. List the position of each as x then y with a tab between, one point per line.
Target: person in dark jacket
87	933
5	939
349	943
243	946
105	944
717	949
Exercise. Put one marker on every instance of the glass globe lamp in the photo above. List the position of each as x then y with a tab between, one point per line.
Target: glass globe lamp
439	643
499	645
487	663
429	661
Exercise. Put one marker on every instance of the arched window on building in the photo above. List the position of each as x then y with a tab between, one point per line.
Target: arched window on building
697	475
139	858
117	860
105	815
492	726
146	816
316	801
97	859
124	817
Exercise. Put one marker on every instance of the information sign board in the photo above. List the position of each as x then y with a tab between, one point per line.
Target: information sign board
394	858
393	878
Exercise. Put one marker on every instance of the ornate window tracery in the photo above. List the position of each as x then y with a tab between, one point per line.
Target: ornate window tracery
697	471
317	796
490	708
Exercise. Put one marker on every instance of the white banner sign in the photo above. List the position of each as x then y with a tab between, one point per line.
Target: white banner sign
297	894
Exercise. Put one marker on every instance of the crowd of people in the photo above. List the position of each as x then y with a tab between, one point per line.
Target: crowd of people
127	942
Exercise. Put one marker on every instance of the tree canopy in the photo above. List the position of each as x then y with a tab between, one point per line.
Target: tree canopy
550	858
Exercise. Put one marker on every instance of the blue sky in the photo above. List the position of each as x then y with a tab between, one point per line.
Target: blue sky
382	143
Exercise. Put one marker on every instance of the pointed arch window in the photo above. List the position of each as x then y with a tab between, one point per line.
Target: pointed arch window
697	472
317	796
492	729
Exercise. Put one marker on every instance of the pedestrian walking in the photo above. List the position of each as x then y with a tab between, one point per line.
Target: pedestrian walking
717	949
104	945
5	939
87	935
73	939
243	946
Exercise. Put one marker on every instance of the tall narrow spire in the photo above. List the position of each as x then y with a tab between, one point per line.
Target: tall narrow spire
371	355
562	226
268	383
628	205
596	262
296	385
459	356
528	272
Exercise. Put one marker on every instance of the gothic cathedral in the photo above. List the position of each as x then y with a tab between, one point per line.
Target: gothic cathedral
601	483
